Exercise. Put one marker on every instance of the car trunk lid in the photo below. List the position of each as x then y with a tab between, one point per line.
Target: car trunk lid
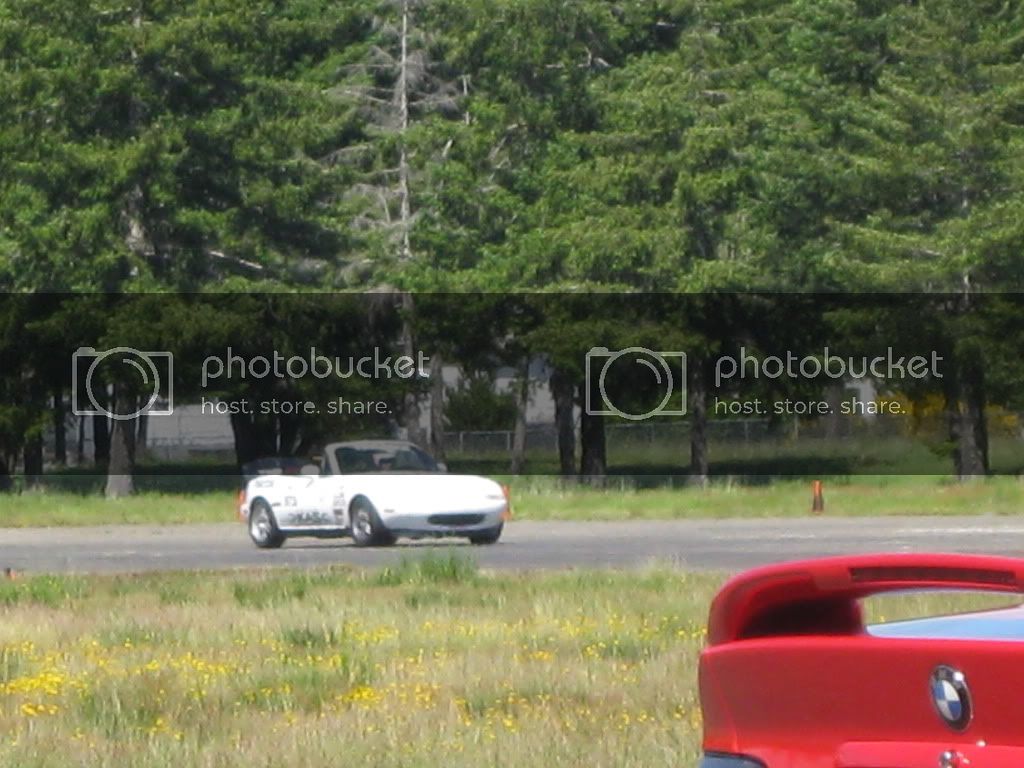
792	676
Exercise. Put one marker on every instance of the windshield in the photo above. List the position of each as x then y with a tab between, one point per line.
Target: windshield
384	459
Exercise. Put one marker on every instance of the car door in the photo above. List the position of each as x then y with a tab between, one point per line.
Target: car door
337	501
328	497
315	501
298	501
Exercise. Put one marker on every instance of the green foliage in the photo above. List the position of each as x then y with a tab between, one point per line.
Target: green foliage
672	146
475	405
49	591
430	569
167	146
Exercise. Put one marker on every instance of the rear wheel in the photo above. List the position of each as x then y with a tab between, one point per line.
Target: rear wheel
263	528
367	529
489	536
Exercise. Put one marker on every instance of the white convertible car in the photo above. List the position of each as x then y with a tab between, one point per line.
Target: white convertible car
373	491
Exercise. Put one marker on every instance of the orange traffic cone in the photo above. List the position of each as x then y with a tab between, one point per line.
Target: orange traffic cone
818	503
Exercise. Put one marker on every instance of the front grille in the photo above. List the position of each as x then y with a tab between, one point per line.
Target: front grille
454	519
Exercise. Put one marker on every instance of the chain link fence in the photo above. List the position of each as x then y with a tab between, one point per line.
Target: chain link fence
544	437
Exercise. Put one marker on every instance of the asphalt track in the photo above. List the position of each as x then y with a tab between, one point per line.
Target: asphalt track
700	544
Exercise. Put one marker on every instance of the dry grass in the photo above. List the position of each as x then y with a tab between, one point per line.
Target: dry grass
546	498
429	663
426	664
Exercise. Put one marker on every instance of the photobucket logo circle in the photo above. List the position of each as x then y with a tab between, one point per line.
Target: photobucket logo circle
665	370
149	374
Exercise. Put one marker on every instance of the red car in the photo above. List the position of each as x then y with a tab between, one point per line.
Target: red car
793	678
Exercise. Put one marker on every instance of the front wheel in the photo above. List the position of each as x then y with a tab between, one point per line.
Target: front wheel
367	529
489	536
263	528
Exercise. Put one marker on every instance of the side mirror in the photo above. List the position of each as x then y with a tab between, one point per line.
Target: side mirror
309	469
442	467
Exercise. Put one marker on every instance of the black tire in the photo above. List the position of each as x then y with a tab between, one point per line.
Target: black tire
490	536
367	529
263	528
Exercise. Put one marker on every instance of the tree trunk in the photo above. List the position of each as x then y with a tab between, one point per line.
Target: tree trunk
241	428
974	439
33	461
289	432
593	458
411	429
60	440
965	399
136	235
409	418
121	469
255	438
141	436
100	440
80	447
437	405
405	209
968	430
834	419
697	397
522	396
562	391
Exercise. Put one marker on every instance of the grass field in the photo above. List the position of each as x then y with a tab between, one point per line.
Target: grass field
548	498
784	455
428	663
425	664
540	499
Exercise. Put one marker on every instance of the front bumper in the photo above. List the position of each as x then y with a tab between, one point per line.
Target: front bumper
439	523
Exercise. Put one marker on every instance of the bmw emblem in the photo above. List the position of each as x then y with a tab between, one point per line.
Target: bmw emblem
951	697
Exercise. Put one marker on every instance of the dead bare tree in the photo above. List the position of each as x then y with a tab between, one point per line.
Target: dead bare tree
393	89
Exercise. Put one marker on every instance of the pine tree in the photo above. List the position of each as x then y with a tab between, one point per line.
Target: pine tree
947	148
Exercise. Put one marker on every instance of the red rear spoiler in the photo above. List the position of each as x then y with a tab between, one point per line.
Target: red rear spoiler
823	596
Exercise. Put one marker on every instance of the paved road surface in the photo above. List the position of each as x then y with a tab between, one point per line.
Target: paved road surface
705	544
